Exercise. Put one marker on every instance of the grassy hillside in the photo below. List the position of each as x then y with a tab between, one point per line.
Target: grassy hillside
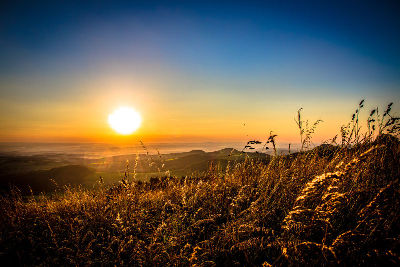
329	205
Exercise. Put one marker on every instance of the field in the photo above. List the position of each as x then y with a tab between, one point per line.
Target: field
328	205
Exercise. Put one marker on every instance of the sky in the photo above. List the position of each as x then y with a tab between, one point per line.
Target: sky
195	70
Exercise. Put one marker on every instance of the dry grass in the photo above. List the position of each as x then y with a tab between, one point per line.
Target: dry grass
325	206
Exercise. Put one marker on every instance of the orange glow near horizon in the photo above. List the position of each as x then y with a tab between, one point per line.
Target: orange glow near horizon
179	115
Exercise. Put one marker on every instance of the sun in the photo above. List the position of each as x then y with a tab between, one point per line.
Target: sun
124	120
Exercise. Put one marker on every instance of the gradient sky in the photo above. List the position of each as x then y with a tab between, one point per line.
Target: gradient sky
195	70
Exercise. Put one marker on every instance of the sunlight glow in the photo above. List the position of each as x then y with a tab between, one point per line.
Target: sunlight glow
124	120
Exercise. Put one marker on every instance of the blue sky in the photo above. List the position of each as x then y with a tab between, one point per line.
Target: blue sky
247	52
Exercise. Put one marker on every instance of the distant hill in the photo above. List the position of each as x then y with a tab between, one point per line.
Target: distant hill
35	171
41	180
184	163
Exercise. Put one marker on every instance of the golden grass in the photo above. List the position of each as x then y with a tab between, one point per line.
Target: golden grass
339	208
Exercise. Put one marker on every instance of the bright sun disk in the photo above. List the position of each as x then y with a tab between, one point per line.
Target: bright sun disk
124	120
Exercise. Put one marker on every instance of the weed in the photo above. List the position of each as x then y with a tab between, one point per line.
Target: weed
305	130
